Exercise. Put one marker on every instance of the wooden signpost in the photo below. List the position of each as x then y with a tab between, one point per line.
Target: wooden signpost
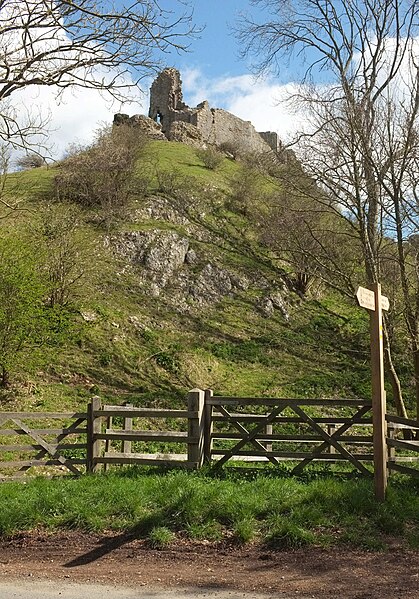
375	303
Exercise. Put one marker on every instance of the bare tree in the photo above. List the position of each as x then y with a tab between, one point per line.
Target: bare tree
361	143
96	44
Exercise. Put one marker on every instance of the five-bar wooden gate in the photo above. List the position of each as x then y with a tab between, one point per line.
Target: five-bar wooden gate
299	430
42	440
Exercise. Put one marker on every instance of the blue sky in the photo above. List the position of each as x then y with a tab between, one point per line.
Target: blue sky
211	70
216	50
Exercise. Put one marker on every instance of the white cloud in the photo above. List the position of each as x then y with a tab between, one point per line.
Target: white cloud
264	103
74	117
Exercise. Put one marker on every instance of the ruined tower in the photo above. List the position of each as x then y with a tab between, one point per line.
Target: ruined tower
203	123
166	98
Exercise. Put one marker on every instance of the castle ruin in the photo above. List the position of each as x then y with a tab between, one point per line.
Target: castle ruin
200	125
216	126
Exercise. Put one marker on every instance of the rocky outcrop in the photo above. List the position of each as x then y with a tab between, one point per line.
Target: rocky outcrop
168	264
149	127
160	253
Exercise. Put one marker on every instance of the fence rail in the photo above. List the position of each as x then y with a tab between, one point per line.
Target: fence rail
408	444
46	444
214	429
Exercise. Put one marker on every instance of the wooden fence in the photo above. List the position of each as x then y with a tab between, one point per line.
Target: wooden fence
129	427
42	440
403	450
212	429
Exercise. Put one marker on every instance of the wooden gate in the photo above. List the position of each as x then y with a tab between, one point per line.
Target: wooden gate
42	440
250	429
405	450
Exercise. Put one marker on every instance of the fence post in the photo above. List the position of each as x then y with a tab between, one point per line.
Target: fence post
94	426
331	428
127	445
208	426
268	431
391	434
196	428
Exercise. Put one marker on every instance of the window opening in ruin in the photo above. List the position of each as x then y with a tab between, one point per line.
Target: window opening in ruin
159	118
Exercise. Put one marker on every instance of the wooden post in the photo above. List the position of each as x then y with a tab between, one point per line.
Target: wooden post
127	445
378	397
109	424
331	428
196	428
268	431
94	426
208	426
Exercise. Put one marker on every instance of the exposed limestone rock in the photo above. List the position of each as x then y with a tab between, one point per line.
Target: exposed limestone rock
89	316
278	302
167	264
161	253
143	123
240	281
191	257
158	208
212	282
267	305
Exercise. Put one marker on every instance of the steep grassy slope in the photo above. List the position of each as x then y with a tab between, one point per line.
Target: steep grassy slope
135	339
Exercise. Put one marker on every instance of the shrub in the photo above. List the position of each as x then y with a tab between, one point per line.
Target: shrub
101	174
31	160
231	148
210	156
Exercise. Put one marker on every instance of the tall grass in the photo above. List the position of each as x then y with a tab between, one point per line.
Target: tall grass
280	512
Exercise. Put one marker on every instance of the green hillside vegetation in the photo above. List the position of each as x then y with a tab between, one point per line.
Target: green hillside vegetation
110	331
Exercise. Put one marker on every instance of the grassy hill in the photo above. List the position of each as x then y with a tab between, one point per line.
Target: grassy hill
147	336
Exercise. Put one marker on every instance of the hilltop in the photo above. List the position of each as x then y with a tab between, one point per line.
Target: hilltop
175	291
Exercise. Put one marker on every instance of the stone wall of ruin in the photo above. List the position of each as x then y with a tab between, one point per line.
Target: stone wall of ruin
216	126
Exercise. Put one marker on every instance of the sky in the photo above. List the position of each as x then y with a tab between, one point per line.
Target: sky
211	70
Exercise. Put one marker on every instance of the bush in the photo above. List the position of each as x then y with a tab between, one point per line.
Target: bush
31	160
101	174
210	156
232	149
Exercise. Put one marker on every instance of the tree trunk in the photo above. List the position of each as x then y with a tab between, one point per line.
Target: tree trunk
416	372
4	380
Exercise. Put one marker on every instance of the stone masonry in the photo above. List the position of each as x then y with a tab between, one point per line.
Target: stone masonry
215	126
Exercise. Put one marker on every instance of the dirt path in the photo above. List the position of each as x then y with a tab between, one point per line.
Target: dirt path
128	562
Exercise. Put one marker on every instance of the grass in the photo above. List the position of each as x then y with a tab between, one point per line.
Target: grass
269	508
229	347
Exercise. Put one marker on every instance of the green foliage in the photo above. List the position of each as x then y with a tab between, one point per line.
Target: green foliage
22	314
211	157
269	508
161	537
